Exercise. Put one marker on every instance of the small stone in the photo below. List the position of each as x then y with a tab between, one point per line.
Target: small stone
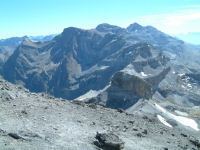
78	121
93	106
120	110
124	130
15	136
139	135
131	122
195	142
134	129
145	117
184	135
145	131
24	112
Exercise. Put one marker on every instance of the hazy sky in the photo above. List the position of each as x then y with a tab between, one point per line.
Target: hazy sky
41	17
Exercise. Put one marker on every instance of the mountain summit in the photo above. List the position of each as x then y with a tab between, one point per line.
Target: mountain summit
134	27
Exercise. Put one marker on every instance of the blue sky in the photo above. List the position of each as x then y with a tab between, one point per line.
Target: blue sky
42	17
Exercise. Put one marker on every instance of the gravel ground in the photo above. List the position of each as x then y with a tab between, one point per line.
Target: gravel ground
30	121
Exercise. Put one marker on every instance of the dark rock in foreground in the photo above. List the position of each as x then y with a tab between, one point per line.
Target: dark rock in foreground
109	141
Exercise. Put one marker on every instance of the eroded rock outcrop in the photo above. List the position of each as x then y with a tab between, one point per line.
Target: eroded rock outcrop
134	84
125	90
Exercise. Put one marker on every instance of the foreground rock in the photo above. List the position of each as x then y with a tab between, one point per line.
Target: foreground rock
109	141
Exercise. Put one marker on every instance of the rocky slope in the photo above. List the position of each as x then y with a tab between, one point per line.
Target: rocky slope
39	121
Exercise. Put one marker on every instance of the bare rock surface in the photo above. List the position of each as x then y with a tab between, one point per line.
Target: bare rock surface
30	121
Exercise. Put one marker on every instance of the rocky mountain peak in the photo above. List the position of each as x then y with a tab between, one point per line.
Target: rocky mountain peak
107	28
71	30
27	41
134	27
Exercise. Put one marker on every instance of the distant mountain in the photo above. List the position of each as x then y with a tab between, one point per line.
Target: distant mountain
77	61
42	38
8	46
191	37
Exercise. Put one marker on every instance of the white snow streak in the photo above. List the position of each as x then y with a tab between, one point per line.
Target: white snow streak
164	121
143	74
183	120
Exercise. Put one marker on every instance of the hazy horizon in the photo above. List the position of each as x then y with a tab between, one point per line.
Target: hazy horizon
32	18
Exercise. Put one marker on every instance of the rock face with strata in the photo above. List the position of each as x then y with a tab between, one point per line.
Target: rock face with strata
124	91
133	84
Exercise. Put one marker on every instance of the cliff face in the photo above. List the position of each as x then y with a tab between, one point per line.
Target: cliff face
124	91
133	84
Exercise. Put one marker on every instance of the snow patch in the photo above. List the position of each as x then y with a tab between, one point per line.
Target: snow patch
164	121
183	86
130	53
181	113
143	74
103	67
189	85
183	120
181	74
91	94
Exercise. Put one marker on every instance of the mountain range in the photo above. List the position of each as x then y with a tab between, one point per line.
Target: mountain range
68	65
137	70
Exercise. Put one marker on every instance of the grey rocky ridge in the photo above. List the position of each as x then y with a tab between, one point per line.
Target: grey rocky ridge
135	86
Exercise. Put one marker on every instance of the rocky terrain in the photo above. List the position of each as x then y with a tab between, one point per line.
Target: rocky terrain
39	121
115	88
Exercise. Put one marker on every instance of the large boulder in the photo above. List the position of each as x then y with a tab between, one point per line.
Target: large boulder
109	141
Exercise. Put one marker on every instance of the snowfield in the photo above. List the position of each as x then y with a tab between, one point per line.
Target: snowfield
182	120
